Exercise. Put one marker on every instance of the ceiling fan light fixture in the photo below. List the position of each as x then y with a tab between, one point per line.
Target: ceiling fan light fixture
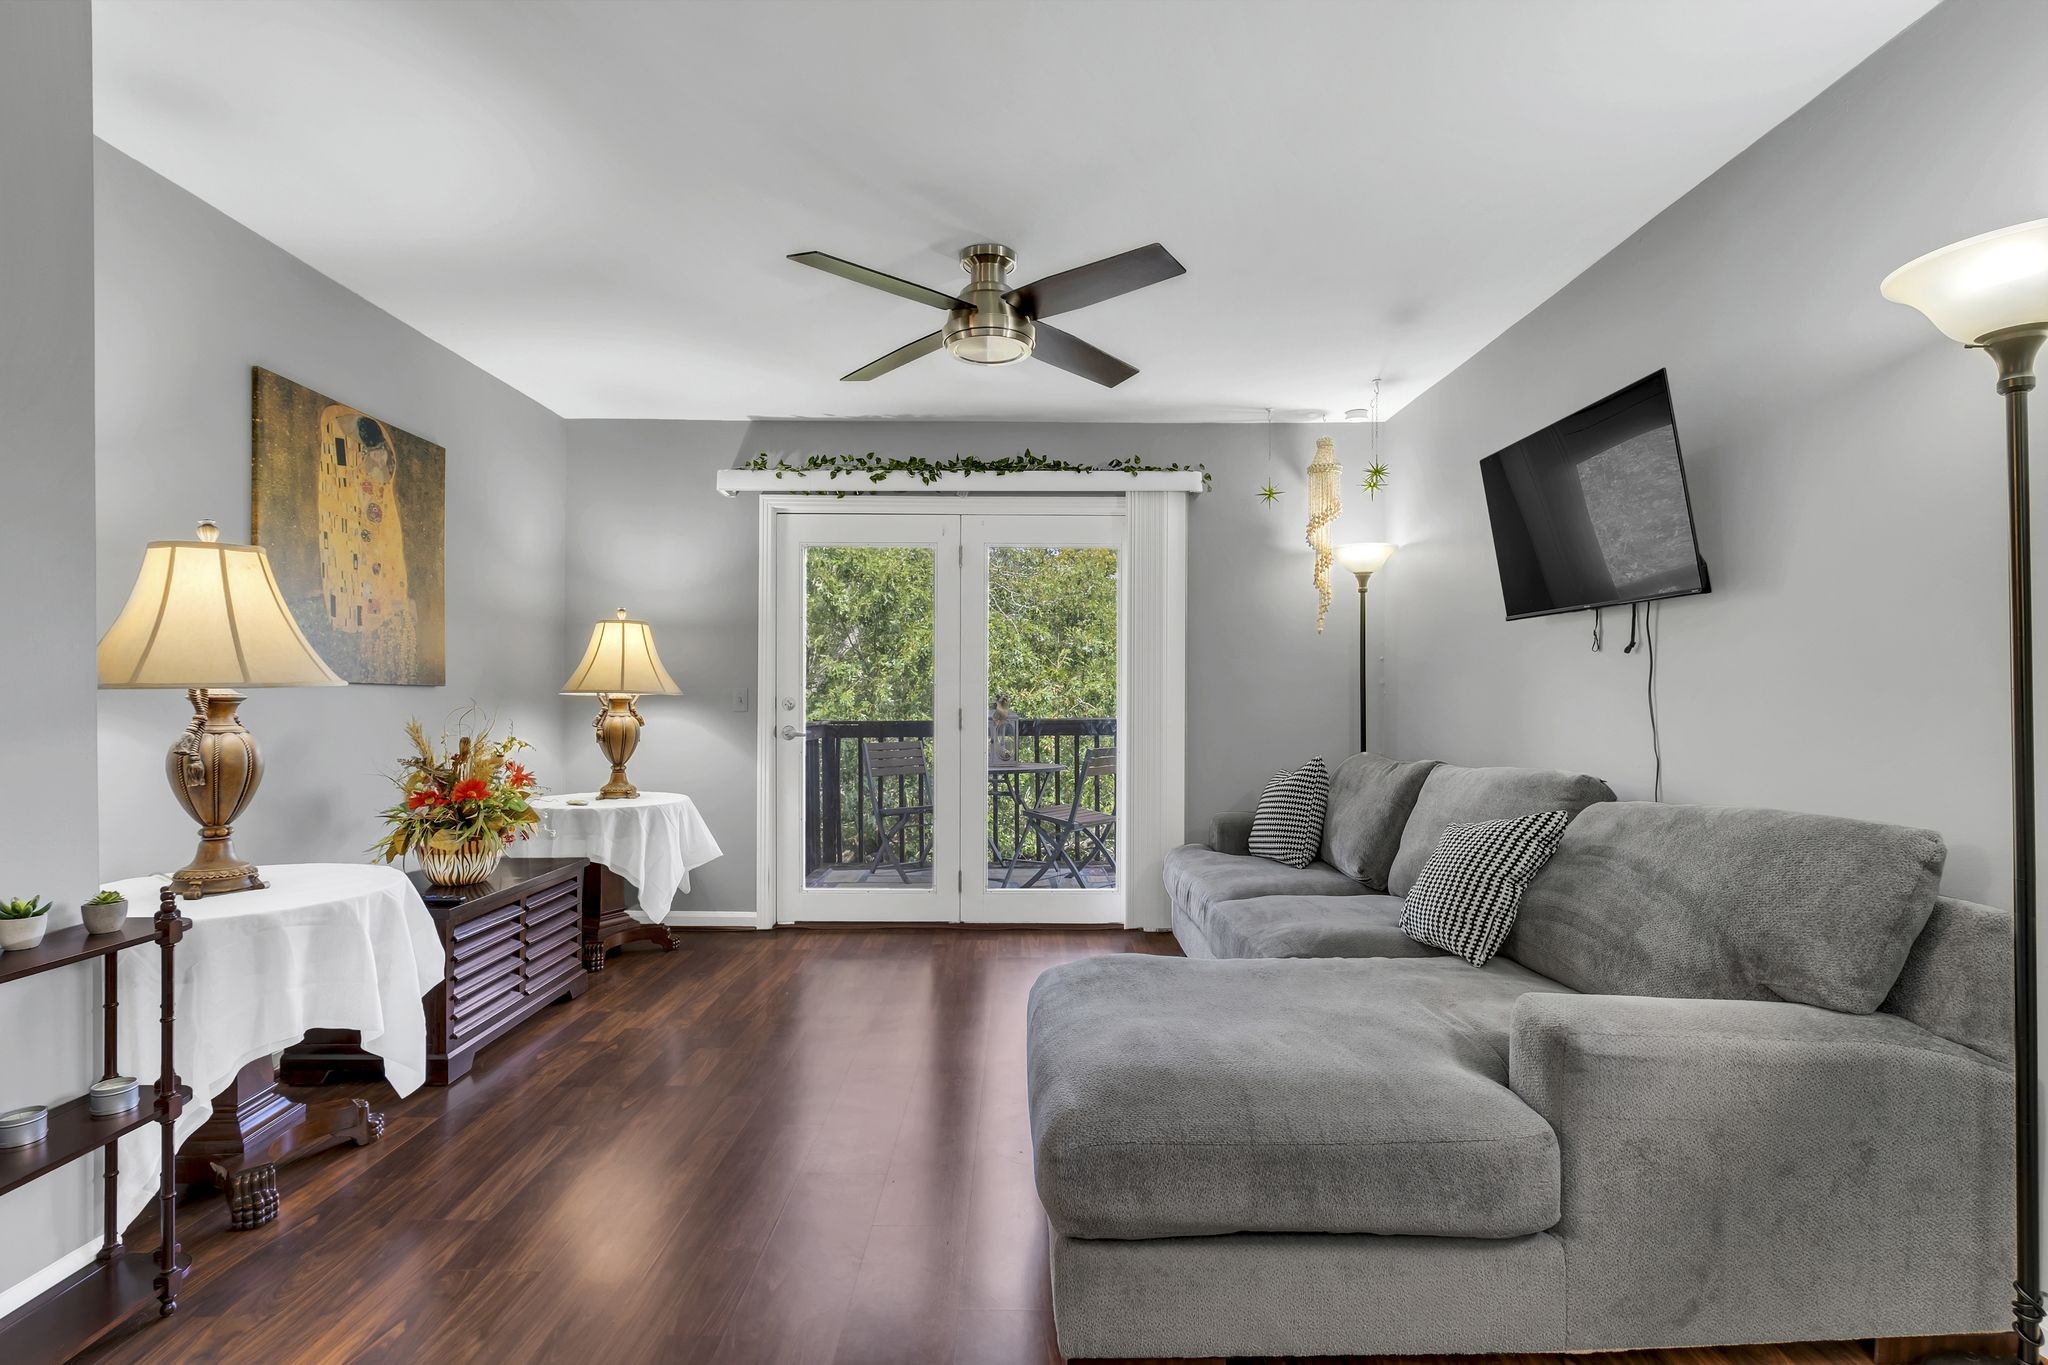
986	329
978	341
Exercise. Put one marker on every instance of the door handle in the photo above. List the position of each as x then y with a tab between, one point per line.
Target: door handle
792	732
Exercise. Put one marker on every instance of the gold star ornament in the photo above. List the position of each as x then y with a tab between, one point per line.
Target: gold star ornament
1269	494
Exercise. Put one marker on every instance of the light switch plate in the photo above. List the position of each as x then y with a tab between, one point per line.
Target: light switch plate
739	699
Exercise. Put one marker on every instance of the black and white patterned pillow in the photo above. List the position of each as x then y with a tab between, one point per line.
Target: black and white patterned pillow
1287	827
1466	897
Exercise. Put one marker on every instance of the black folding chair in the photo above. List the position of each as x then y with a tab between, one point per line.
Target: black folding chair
900	759
1063	830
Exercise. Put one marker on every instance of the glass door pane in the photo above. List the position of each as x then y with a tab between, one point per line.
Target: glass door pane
866	662
868	715
1043	602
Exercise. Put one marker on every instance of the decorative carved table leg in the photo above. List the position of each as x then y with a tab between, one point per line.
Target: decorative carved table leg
607	925
253	1130
251	1192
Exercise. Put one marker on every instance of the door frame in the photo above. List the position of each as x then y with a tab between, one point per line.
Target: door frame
1152	616
882	901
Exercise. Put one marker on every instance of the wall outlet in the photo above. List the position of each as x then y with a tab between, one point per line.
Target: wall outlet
739	699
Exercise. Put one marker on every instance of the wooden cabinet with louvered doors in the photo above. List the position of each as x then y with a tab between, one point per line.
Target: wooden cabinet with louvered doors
514	945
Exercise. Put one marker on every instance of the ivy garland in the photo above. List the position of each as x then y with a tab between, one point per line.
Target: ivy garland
877	468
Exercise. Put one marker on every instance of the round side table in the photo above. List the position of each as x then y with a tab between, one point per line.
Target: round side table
650	842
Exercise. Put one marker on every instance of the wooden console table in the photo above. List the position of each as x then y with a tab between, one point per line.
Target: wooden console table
513	947
77	1311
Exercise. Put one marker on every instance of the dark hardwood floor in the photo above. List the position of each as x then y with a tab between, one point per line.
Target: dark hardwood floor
804	1146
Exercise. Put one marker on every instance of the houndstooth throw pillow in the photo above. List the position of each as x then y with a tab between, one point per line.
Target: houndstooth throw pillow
1287	827
1466	897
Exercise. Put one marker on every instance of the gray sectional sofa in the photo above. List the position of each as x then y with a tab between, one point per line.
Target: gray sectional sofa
1737	1076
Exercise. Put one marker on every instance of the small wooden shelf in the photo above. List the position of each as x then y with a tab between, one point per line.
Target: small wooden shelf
82	1309
73	1133
62	947
77	1311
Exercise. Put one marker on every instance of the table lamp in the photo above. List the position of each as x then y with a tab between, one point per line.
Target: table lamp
1991	294
618	668
209	618
1364	559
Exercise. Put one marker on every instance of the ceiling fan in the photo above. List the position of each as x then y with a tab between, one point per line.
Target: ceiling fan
990	324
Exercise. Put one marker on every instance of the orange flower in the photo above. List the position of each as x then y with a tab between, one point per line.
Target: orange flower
426	796
471	789
517	775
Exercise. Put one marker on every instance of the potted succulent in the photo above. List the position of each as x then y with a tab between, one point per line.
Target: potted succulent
461	803
106	913
22	922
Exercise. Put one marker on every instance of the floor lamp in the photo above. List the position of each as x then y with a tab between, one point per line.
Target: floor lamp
1363	559
1991	294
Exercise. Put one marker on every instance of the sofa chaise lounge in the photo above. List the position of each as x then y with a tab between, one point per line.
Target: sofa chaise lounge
1736	1076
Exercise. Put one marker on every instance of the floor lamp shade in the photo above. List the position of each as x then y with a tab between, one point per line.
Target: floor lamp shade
1981	285
1991	292
209	618
1365	556
619	666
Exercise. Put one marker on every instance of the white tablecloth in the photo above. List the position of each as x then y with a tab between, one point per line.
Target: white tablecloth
326	945
652	840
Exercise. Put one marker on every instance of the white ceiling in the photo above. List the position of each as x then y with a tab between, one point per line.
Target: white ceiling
592	201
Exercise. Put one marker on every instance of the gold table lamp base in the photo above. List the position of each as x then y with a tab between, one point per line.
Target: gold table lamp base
618	734
215	768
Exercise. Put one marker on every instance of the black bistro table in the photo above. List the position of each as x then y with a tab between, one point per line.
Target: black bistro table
1006	778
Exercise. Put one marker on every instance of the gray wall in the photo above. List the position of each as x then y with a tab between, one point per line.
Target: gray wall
48	838
647	532
188	301
1845	463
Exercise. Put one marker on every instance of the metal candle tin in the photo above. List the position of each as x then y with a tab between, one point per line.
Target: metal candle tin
114	1095
24	1127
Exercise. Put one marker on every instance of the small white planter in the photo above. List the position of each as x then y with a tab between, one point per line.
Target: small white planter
109	918
22	933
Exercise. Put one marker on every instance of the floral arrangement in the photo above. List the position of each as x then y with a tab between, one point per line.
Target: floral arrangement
32	908
460	795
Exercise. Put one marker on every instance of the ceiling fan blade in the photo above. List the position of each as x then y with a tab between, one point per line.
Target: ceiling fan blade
1099	280
875	279
1076	356
902	355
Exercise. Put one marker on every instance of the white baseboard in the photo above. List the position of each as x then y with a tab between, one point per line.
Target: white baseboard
14	1296
712	919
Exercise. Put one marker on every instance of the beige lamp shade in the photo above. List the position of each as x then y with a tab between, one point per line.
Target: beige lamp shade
1364	556
1980	285
621	659
204	614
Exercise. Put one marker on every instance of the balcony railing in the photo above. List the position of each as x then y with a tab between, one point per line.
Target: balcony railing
839	819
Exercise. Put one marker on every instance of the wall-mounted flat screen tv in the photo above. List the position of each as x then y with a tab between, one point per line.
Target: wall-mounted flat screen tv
1592	511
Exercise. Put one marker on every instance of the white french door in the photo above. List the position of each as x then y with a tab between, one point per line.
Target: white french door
1041	607
946	703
